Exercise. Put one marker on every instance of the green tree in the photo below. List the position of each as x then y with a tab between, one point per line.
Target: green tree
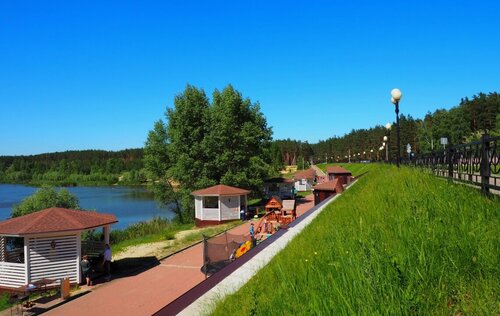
43	198
157	164
238	132
202	144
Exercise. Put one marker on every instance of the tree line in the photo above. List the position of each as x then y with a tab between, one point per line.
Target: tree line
75	167
463	123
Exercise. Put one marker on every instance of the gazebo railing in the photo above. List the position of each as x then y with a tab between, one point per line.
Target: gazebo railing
92	248
12	274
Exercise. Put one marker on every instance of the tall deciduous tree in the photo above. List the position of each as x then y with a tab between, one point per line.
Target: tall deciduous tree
238	141
202	144
157	163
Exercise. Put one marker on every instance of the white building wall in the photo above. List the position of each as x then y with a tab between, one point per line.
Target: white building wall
210	214
198	206
54	258
230	207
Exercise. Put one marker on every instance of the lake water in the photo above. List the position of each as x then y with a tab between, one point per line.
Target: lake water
129	204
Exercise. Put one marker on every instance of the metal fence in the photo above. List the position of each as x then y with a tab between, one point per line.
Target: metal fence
475	163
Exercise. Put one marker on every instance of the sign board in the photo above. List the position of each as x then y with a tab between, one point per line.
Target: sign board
444	141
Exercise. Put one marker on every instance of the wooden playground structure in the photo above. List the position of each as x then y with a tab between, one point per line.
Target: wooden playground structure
278	213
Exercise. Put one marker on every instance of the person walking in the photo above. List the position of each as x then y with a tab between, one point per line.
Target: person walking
107	261
85	264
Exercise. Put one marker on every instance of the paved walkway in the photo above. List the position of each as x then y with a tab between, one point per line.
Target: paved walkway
149	291
319	171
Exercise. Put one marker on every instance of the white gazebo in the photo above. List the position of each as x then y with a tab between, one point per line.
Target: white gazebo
46	245
218	204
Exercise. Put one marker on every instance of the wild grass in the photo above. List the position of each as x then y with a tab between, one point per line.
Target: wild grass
159	229
356	168
4	301
399	242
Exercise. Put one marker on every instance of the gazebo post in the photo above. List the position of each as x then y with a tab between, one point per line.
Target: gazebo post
79	256
246	203
105	230
3	244
27	277
220	213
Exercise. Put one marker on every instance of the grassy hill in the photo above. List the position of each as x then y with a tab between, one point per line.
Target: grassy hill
355	168
397	242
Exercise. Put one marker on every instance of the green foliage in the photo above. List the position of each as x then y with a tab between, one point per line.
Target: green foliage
204	144
463	123
85	167
43	198
399	242
4	301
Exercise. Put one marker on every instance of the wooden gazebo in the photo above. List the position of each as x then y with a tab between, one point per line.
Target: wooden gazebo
46	245
218	204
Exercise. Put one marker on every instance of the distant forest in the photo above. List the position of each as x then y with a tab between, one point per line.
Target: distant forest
84	167
463	123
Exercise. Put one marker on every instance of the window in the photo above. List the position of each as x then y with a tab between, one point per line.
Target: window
210	202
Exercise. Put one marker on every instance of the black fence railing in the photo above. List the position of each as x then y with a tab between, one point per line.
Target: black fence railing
475	163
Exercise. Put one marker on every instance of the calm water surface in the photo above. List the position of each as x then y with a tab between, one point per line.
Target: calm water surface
129	204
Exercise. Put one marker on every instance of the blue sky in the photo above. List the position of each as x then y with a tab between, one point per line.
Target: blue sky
96	75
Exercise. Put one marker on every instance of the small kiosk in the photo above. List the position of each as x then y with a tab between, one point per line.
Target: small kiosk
218	204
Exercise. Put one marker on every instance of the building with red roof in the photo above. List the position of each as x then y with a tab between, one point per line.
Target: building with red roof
326	189
337	172
46	245
219	204
304	180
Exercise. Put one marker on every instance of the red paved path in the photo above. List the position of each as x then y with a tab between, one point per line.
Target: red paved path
149	291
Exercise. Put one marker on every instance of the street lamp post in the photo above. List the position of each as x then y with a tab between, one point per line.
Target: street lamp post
388	128
396	97
386	148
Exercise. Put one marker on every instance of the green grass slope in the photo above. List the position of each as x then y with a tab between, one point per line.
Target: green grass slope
399	242
355	168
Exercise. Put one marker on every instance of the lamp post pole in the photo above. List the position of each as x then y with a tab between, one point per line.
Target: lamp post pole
386	148
396	97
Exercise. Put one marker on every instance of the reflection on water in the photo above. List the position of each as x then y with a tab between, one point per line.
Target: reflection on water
129	204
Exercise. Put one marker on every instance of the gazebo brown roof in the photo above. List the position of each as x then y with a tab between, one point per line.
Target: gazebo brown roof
55	219
337	170
329	186
221	189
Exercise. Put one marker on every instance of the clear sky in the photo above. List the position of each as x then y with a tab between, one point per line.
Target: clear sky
96	75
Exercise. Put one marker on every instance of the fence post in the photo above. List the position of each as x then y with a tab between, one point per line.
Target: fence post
485	163
450	163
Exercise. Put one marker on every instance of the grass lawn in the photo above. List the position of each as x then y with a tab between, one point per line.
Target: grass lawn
355	168
399	242
303	194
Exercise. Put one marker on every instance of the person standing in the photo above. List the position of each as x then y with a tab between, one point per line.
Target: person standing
107	261
85	264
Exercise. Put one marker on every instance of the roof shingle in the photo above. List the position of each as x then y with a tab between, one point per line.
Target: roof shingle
334	185
55	219
305	174
337	170
220	189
